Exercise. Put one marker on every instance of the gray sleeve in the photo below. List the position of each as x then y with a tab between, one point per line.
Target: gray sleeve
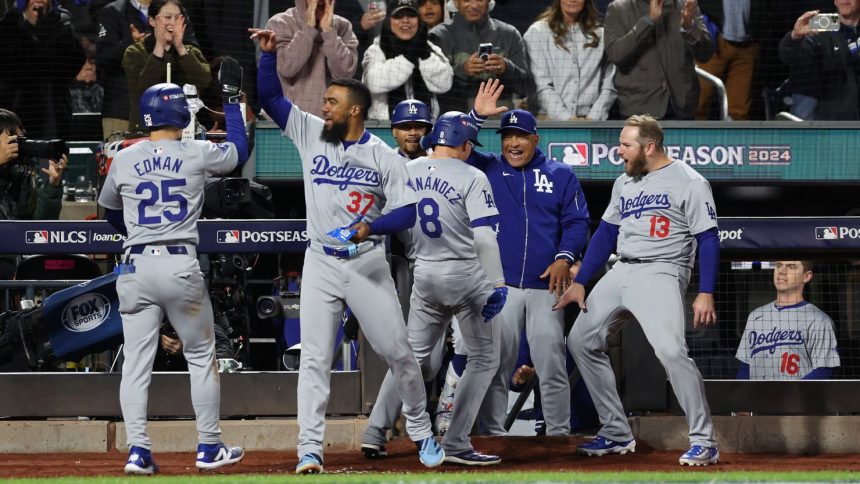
218	158
821	343
109	197
479	198
304	130
488	254
612	214
395	180
700	210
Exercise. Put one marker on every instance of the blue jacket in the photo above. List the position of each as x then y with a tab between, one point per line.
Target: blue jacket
542	215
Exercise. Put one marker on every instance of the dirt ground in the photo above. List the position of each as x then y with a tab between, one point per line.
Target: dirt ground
518	454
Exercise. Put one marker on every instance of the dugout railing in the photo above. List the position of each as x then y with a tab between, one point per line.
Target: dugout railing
644	387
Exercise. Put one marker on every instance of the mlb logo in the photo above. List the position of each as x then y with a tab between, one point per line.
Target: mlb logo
228	236
575	154
826	233
37	236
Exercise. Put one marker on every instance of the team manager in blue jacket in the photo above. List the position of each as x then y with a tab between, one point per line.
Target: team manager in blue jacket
543	226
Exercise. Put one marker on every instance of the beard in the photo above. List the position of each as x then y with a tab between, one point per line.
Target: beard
336	133
636	166
412	149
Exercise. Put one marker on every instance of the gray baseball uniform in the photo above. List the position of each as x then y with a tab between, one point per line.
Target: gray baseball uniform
159	186
786	343
449	280
658	215
364	178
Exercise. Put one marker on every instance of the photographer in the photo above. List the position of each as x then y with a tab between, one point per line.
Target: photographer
23	194
39	55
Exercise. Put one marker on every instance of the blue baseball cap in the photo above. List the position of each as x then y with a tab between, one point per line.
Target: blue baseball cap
518	119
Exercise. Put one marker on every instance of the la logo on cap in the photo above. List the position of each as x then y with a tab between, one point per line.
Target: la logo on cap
513	119
412	109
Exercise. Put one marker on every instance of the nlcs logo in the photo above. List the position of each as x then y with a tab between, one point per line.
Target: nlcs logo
228	236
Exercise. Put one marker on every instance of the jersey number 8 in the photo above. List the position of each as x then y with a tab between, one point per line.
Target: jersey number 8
429	219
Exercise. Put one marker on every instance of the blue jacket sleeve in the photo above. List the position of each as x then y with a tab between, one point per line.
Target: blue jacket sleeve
709	259
574	222
236	131
269	90
601	247
743	372
115	218
822	373
480	160
395	221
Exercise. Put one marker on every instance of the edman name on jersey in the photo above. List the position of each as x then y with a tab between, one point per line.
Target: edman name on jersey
643	203
343	176
156	163
771	341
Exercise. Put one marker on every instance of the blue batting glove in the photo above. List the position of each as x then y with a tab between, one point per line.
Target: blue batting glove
344	233
495	303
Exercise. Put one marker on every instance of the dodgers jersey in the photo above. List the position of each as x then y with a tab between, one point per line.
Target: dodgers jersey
366	178
452	195
159	187
786	343
659	213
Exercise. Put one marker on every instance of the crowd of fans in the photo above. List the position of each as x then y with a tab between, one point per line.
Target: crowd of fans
560	59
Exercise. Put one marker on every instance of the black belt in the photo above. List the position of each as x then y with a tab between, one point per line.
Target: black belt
347	252
632	260
171	249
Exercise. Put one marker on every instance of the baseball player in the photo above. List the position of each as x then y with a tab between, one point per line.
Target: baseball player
410	120
351	177
154	191
457	266
788	339
543	225
659	212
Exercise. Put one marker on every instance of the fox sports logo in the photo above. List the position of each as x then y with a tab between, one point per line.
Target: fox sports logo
86	312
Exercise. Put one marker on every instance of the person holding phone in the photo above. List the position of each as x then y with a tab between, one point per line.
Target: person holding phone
829	60
460	41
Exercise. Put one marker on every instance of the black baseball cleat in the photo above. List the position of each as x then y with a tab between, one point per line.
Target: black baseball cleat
373	451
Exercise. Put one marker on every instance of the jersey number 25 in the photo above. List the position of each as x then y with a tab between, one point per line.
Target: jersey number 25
164	196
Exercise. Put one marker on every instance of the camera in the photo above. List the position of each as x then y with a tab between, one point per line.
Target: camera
484	51
52	149
824	22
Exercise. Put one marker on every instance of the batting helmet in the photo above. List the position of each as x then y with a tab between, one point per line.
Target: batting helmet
411	110
452	129
164	105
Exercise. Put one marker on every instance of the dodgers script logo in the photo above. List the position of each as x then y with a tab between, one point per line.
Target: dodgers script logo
86	312
643	203
228	236
343	176
759	342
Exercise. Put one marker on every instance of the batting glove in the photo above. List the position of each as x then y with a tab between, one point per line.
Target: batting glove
230	80
495	303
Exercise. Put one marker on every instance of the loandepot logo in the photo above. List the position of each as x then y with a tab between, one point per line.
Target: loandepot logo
86	312
56	237
836	232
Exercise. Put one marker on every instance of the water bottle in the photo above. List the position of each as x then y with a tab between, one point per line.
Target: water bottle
82	189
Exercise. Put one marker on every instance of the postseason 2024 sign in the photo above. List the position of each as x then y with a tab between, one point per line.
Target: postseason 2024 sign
722	152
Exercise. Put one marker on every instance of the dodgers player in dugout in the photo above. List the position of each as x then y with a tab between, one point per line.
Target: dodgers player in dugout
154	193
788	339
660	212
351	177
458	271
543	226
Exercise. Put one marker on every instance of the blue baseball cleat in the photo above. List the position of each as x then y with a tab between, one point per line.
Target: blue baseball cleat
310	464
213	456
140	462
602	446
700	456
430	453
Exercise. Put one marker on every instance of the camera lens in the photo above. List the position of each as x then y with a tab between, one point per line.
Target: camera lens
267	307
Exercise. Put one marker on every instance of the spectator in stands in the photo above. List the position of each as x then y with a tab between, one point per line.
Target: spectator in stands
24	195
366	17
145	62
831	60
572	77
314	47
736	49
518	13
460	39
432	12
86	93
402	64
788	339
653	44
39	55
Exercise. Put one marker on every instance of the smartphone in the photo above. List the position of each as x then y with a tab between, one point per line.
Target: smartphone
484	51
824	22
